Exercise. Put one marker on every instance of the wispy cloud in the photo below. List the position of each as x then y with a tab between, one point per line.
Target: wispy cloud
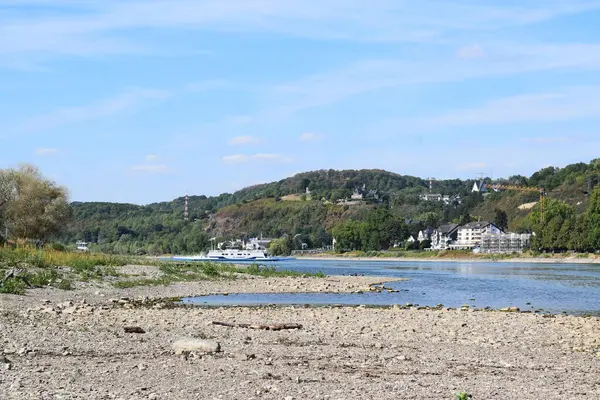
469	52
123	102
46	151
151	157
205	86
501	59
242	140
152	168
93	28
310	137
562	105
267	157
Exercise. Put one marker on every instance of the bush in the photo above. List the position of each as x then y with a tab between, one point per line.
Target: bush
13	286
57	247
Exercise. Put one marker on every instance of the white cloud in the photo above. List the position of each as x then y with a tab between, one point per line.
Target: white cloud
243	158
241	140
121	103
205	86
95	28
309	137
562	105
151	157
42	151
152	168
469	52
501	59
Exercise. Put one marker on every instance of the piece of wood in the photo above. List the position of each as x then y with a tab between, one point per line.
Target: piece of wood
134	329
266	327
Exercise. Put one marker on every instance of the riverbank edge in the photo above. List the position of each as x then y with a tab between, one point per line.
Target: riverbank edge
536	260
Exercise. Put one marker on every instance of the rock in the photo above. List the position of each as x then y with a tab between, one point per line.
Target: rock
70	310
206	346
153	396
5	363
510	309
244	357
133	329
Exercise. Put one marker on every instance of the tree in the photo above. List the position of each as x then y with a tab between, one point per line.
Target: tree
594	220
348	235
501	219
549	231
279	247
32	206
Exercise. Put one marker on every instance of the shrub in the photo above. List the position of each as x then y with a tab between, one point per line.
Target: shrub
13	286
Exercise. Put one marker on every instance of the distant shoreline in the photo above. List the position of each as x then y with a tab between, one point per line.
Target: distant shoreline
535	260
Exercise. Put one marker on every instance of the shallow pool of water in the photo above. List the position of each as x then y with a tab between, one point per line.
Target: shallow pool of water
571	288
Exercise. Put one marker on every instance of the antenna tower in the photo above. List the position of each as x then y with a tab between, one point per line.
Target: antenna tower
431	180
186	214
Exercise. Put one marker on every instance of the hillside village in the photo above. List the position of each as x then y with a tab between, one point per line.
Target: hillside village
362	209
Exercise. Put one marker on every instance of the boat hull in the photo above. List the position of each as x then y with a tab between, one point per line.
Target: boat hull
247	259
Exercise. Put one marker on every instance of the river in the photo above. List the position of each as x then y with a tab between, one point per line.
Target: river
553	288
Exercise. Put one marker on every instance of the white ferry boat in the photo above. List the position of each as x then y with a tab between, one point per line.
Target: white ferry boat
232	255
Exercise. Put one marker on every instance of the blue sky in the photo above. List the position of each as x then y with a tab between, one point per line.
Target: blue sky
142	100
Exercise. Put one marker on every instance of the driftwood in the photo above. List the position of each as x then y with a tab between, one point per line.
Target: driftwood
134	329
266	327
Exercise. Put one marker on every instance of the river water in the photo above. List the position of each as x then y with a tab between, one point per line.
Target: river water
553	288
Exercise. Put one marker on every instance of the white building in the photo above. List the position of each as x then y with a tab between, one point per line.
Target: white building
504	243
470	235
442	237
257	244
431	197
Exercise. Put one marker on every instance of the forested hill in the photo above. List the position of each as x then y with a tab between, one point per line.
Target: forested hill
284	207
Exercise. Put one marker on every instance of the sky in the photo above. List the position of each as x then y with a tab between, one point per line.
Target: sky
141	101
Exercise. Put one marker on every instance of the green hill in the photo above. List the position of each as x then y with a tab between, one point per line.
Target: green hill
263	209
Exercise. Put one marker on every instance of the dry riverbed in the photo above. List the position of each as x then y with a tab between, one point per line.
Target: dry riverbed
73	345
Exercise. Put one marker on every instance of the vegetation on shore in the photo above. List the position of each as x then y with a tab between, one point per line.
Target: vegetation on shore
28	267
391	210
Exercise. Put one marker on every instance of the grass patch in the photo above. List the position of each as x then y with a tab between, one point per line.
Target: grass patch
13	286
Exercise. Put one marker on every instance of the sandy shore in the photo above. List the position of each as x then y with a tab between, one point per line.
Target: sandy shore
72	345
536	260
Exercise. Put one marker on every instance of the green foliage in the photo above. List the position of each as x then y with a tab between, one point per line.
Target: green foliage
280	247
463	396
501	219
159	228
593	221
31	206
13	286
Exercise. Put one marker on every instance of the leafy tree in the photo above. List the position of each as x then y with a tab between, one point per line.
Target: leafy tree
548	227
349	235
33	207
594	220
501	219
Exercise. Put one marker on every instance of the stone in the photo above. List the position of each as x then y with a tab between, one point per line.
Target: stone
133	329
200	345
5	363
243	357
70	310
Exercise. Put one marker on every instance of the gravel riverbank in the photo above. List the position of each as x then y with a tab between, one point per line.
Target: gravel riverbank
73	345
